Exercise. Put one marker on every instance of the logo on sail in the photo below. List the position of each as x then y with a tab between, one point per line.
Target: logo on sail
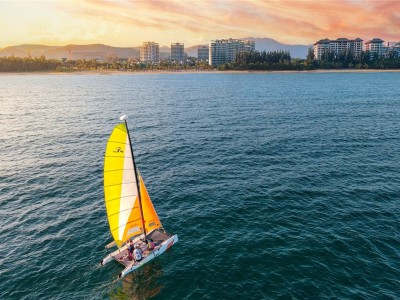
133	230
118	150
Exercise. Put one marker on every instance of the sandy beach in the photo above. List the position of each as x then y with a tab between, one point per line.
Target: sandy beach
152	72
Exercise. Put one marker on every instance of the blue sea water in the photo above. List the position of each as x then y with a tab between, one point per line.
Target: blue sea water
280	186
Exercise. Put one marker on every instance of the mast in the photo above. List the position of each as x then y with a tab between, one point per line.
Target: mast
137	179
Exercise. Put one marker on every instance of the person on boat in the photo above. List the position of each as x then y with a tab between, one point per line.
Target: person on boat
150	245
137	253
130	246
127	256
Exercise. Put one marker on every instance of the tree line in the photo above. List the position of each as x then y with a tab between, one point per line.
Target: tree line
256	60
17	64
281	60
349	60
253	60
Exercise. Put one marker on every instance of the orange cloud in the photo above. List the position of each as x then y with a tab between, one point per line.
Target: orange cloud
129	22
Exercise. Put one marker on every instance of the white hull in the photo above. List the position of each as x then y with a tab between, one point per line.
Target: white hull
156	252
131	266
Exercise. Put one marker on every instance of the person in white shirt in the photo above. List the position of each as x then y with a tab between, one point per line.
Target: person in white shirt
137	253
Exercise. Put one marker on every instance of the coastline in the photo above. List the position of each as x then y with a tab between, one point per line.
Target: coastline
114	72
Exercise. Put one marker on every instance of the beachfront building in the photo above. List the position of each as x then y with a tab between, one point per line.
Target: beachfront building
223	51
320	47
203	53
394	48
376	47
338	46
357	47
177	52
150	51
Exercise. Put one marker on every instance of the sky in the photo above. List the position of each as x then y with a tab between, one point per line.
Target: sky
129	23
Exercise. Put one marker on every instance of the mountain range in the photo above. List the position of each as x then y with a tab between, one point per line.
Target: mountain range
102	51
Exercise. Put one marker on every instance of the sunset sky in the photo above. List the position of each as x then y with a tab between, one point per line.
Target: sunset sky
130	22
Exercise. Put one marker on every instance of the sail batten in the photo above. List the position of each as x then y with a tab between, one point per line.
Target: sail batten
114	214
120	198
121	190
117	170
119	184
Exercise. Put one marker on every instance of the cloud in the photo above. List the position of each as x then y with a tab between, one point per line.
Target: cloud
128	22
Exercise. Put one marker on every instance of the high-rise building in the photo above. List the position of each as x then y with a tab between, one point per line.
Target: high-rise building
375	46
203	53
150	51
177	52
223	51
320	47
357	47
394	48
338	46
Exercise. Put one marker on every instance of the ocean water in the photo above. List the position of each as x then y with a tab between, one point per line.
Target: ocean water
280	186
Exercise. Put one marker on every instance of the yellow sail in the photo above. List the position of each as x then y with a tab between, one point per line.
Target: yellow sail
121	193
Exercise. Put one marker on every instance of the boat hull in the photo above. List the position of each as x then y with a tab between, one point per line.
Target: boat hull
163	242
156	252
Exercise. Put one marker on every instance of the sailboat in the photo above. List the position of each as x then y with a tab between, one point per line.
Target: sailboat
133	221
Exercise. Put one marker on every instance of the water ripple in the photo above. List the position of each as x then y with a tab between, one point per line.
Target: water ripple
280	186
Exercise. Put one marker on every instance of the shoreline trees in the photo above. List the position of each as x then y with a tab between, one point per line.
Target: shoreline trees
244	61
281	60
17	64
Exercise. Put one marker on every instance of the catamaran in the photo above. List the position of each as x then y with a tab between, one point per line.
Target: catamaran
131	215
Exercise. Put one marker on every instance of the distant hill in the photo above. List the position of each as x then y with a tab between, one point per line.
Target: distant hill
71	51
13	51
192	51
165	52
101	51
92	51
268	44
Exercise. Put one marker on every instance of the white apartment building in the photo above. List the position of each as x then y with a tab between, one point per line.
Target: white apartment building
177	52
150	51
395	47
338	46
357	47
320	47
375	46
203	53
223	51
